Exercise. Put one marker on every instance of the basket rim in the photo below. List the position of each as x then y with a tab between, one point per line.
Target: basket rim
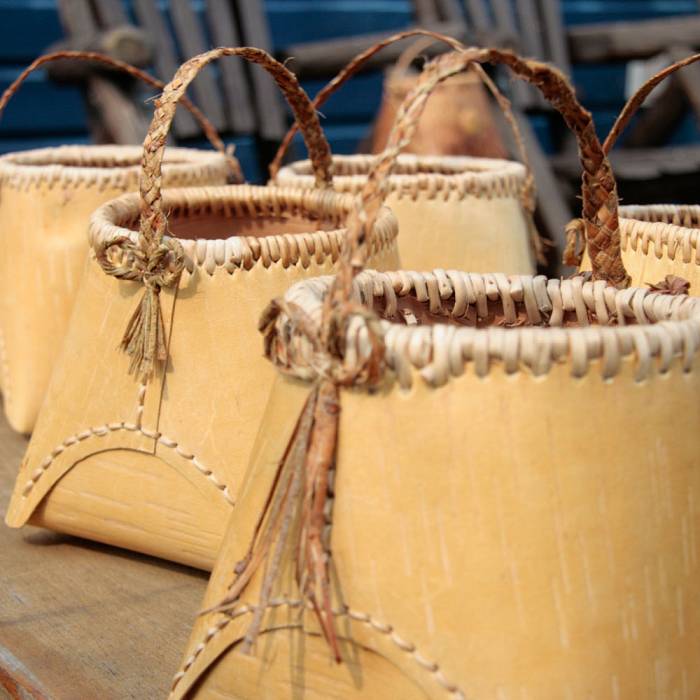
661	328
118	165
467	175
663	226
119	219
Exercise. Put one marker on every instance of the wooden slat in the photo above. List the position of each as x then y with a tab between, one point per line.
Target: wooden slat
111	13
638	163
255	32
449	10
627	40
530	30
529	44
190	37
425	11
166	60
688	77
122	120
115	117
224	31
320	59
478	15
557	51
657	122
503	16
77	18
83	620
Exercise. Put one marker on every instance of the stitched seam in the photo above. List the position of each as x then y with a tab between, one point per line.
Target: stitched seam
433	668
103	430
140	403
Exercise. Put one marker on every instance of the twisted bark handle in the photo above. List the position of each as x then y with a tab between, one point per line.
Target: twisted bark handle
600	201
529	191
636	101
153	221
345	74
207	127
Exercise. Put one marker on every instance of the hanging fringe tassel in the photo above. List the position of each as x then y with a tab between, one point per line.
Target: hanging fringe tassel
144	338
313	560
575	242
296	507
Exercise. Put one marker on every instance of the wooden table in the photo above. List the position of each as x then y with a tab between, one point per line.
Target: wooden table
79	620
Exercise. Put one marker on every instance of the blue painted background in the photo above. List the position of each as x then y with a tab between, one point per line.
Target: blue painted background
43	114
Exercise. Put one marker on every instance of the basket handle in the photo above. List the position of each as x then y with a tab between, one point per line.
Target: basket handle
156	260
600	201
207	127
529	192
348	72
152	217
636	101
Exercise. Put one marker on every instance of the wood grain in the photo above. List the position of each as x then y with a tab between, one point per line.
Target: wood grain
80	620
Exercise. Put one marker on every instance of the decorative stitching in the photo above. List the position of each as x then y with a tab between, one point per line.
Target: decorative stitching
669	228
117	167
140	402
118	219
103	430
421	176
432	667
632	322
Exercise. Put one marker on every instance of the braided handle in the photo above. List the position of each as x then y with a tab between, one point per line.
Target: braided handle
636	101
529	191
207	127
345	74
153	221
600	201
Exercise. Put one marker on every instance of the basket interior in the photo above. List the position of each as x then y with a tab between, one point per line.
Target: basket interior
212	225
495	301
215	213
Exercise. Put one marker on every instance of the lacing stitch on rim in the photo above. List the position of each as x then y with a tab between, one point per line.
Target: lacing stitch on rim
670	233
655	329
243	252
424	177
433	668
183	167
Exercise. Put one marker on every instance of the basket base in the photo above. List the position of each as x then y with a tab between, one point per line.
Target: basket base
97	500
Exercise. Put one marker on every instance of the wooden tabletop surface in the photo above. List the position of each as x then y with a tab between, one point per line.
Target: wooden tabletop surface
79	620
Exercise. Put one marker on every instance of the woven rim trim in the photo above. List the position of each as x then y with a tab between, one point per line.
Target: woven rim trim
430	176
672	230
666	327
106	166
119	218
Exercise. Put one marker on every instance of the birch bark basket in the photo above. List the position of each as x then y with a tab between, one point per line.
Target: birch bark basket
454	212
46	199
658	240
147	450
505	467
